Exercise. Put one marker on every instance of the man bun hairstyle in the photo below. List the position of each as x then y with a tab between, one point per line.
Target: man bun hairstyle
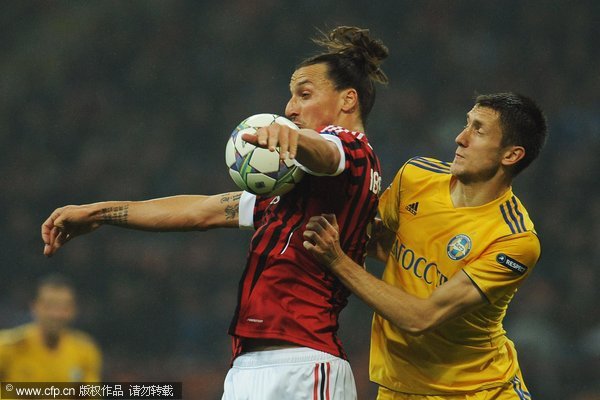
354	61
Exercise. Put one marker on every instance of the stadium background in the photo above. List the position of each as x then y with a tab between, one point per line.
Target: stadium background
135	99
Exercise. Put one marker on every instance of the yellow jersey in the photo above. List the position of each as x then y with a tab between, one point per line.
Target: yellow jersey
25	358
494	244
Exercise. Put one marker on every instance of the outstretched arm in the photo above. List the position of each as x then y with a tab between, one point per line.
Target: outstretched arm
306	145
177	213
409	313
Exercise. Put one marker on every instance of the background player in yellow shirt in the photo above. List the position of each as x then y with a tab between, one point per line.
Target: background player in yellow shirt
47	350
457	243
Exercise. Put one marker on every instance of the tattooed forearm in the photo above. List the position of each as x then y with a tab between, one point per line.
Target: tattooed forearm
228	197
115	215
232	204
231	212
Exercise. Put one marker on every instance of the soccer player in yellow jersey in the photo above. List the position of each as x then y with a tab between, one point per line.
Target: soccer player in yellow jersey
457	244
47	350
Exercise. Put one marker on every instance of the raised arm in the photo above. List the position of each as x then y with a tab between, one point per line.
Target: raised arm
177	213
407	312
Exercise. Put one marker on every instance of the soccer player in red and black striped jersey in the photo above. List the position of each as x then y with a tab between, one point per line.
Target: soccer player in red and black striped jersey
284	330
280	272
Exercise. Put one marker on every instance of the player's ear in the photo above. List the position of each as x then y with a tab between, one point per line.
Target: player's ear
349	99
512	155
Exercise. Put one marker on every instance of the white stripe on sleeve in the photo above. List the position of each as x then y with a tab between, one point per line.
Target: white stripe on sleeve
338	143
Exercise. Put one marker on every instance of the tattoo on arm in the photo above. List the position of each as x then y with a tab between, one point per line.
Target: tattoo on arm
232	204
115	215
231	212
225	198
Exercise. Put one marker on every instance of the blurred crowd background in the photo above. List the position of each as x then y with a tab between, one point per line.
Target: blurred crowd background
129	100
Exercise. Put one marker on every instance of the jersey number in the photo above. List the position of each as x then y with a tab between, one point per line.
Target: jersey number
375	184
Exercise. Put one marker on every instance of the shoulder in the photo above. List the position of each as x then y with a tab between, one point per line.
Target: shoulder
514	216
504	265
419	170
513	242
506	223
516	233
427	166
82	339
521	243
345	136
15	336
337	130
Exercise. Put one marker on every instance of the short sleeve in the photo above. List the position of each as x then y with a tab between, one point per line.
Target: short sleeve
252	209
504	265
338	144
246	210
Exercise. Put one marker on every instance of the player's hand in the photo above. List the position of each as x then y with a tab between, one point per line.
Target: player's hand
322	239
273	136
64	224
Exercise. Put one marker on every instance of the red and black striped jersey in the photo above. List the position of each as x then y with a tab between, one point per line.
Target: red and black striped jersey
284	293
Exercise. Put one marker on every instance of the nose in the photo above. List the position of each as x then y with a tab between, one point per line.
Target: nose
461	138
291	110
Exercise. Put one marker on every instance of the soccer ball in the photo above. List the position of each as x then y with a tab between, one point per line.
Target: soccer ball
257	170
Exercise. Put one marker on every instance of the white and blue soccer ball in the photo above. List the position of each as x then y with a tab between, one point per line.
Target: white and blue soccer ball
259	170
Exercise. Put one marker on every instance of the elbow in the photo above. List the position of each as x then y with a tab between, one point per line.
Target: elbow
417	327
334	162
418	324
332	169
324	159
326	164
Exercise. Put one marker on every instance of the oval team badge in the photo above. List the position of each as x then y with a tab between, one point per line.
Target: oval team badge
458	247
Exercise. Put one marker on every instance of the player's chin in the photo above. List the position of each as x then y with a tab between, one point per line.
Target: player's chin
463	174
455	169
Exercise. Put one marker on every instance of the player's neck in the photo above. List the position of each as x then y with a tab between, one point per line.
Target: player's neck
474	194
50	340
350	122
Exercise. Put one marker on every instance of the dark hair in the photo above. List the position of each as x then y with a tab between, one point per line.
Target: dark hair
55	280
353	59
523	124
